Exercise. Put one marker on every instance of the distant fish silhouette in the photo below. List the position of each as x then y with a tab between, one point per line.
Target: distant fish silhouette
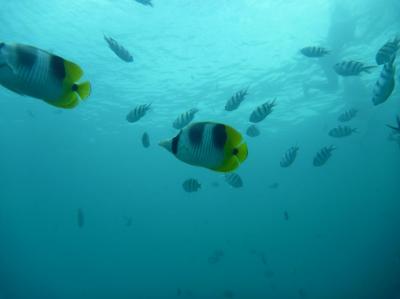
286	215
274	185
80	218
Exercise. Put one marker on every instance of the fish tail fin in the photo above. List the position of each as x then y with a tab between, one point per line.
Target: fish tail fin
368	69
83	89
241	152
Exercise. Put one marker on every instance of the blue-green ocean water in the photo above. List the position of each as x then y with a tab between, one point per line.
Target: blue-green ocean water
143	236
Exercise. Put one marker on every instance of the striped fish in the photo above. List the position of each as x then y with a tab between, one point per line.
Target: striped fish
388	51
347	115
262	111
351	68
342	131
323	156
234	102
137	113
184	119
396	129
385	84
145	140
314	52
30	71
145	2
211	145
118	49
252	131
289	157
191	185
234	180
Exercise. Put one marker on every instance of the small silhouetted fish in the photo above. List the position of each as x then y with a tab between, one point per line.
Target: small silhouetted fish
262	111
215	184
274	185
252	131
396	129
80	218
184	119
323	155
145	2
342	131
385	84
234	180
216	256
347	115
228	294
118	49
286	215
389	50
145	140
137	113
213	260
352	68
128	221
302	293
289	157
31	114
234	102
269	273
219	253
314	52
191	185
178	292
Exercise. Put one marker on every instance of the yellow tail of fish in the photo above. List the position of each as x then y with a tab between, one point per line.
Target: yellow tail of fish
84	89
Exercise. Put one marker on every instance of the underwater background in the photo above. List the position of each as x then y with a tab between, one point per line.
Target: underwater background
87	212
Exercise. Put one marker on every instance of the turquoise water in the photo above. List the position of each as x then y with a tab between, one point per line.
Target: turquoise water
142	236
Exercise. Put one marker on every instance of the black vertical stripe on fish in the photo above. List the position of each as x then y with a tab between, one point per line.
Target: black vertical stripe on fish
57	67
175	143
219	136
196	132
26	56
